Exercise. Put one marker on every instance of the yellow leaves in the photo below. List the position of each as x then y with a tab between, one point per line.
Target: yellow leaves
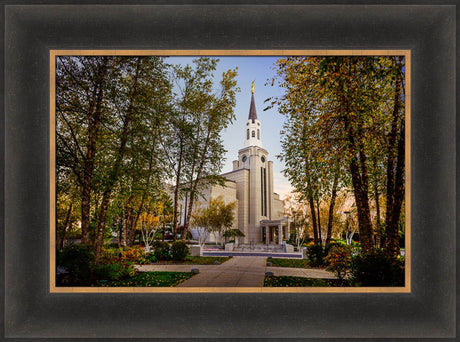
148	220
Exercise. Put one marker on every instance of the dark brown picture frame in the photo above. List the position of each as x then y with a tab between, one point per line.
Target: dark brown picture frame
31	311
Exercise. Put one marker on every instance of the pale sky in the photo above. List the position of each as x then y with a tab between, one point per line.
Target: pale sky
249	69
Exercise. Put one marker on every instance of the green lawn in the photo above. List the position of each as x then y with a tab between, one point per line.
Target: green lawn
151	279
196	260
205	260
287	281
299	263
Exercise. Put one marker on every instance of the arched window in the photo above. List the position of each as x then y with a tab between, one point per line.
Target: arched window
258	133
247	133
253	134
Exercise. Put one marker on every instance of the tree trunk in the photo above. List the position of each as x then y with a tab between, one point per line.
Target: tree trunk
362	205
320	238
176	190
392	247
331	208
61	239
116	168
313	220
395	182
194	183
360	185
124	228
378	241
95	110
129	224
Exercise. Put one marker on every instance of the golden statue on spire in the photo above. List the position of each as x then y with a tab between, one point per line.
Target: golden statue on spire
252	87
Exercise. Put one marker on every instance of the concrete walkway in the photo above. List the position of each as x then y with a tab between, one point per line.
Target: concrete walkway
236	272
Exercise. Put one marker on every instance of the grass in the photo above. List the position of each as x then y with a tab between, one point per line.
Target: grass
196	260
151	279
298	263
287	281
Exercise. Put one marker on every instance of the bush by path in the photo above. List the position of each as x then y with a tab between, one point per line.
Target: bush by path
288	281
298	263
151	279
196	260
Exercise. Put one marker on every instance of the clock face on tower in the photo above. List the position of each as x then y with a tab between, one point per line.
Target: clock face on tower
262	159
244	159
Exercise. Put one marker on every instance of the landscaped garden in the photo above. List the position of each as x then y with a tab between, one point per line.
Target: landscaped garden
349	266
150	279
198	260
285	262
116	266
289	281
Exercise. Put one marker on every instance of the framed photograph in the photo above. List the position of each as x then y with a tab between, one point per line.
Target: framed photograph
45	166
278	234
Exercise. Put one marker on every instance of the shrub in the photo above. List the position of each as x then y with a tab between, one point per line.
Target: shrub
316	255
78	260
115	270
375	269
179	250
108	254
339	260
150	258
160	250
134	254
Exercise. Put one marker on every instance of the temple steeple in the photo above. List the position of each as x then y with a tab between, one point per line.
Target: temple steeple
252	128
252	110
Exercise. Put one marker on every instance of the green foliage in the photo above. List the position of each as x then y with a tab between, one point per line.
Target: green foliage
330	245
193	140
150	258
114	270
279	262
205	260
109	110
217	217
375	269
78	260
109	254
134	254
233	233
288	281
152	279
316	254
345	119
179	250
161	250
339	260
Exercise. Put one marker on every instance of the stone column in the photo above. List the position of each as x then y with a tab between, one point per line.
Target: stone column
280	234
267	234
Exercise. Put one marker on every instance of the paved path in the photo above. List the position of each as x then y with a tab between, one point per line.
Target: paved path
301	272
236	272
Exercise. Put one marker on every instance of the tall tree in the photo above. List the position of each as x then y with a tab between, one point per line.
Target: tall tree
196	149
395	163
110	111
139	95
80	111
343	104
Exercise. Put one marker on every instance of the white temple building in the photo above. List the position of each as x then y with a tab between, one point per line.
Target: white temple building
259	211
